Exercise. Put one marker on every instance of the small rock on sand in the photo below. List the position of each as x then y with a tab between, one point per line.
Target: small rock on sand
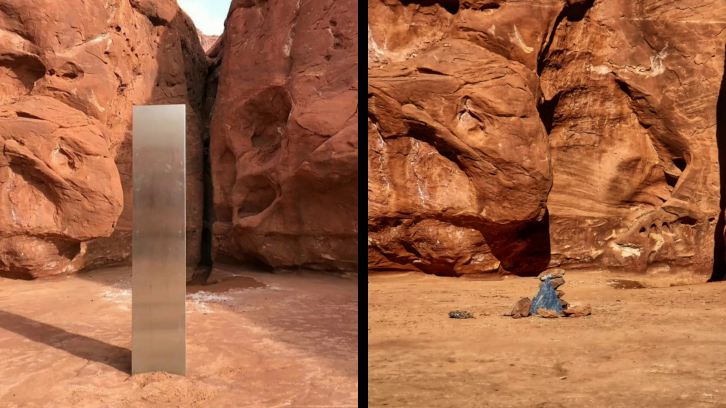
460	314
551	274
521	308
556	282
564	304
547	313
578	311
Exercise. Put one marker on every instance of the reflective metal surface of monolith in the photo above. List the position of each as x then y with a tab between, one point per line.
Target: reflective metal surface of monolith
158	341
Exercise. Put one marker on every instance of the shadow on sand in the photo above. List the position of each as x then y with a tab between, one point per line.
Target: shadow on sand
72	343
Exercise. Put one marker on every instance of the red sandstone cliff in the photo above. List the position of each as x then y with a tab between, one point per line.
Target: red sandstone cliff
281	173
284	135
68	82
514	136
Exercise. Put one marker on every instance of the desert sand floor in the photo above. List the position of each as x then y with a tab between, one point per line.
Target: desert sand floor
282	341
646	347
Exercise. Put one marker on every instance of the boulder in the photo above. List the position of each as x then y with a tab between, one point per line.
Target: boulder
70	73
458	158
521	308
546	313
578	311
551	274
556	282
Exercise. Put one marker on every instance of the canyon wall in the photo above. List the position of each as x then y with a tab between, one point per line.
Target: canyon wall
272	139
283	87
513	136
633	132
207	41
68	81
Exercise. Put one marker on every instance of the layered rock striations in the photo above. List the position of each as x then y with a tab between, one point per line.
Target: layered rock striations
68	82
271	130
513	136
284	138
629	96
458	158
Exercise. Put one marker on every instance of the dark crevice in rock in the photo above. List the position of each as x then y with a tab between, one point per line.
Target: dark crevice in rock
625	88
533	247
671	180
209	215
452	6
680	163
546	111
572	12
69	250
576	11
686	220
71	71
719	252
156	21
430	71
479	6
26	115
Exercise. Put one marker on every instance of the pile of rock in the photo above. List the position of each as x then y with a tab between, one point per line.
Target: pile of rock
556	278
549	301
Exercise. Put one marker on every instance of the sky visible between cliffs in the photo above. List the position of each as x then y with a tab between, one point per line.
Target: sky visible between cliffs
208	15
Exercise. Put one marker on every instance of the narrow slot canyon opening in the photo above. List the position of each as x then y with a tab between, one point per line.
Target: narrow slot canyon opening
546	109
203	270
209	216
719	252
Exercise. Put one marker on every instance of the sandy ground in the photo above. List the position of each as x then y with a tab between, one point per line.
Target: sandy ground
284	341
647	347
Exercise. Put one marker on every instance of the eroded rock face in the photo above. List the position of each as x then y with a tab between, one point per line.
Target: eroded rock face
626	96
284	135
458	158
633	135
68	81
